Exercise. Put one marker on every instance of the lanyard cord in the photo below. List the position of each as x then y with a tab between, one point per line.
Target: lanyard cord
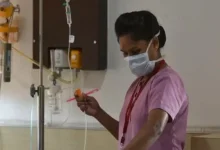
140	85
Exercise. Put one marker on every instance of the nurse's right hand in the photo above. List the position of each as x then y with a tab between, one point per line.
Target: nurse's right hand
88	105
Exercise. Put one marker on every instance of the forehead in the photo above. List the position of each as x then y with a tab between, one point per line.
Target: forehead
126	43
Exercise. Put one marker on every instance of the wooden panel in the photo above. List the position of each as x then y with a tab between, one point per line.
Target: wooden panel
206	142
56	139
89	27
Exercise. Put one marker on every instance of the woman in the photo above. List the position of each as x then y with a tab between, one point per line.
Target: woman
154	114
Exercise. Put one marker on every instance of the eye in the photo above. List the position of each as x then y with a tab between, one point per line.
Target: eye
135	52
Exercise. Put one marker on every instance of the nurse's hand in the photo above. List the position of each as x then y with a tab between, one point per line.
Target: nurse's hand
91	107
88	105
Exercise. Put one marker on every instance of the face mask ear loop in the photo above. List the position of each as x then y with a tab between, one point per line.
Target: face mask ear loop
160	59
156	35
148	47
163	56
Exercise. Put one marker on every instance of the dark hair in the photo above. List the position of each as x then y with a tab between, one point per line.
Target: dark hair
140	25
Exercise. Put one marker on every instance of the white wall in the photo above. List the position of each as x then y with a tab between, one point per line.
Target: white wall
15	98
192	49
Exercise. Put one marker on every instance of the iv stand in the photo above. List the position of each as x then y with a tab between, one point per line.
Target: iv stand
40	90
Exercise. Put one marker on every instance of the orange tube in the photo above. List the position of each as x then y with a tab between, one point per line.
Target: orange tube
78	93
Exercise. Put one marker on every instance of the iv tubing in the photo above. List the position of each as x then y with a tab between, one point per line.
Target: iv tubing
69	63
35	62
69	44
69	22
67	118
31	126
86	129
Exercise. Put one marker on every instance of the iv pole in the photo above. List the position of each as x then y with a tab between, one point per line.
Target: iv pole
40	90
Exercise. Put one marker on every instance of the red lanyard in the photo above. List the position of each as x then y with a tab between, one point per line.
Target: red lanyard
137	91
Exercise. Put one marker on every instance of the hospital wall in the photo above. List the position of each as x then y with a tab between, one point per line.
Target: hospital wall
181	28
16	104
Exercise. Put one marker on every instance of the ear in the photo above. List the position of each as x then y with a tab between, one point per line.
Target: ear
156	43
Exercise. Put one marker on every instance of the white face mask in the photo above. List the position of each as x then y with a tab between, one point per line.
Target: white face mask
140	64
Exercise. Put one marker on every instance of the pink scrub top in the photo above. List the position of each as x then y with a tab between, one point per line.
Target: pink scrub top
165	91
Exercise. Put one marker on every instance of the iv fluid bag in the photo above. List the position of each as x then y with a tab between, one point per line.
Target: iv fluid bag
55	99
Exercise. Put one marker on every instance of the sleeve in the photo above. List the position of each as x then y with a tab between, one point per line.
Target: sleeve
164	94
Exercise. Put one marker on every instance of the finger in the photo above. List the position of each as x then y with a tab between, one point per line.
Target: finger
84	97
79	98
85	100
80	104
89	98
87	104
83	108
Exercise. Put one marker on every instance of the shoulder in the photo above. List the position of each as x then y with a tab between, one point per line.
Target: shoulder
167	92
167	76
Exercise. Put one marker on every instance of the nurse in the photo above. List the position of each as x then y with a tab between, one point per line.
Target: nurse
154	114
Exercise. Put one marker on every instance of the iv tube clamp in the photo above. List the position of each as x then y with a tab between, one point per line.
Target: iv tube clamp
17	9
34	90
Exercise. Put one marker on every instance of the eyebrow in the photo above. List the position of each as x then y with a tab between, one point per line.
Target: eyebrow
133	48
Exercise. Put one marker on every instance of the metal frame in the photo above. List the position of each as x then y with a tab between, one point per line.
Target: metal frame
41	89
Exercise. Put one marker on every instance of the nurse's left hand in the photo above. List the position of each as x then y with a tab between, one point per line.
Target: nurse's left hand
88	104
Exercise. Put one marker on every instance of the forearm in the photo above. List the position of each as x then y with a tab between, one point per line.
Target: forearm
150	131
143	141
108	122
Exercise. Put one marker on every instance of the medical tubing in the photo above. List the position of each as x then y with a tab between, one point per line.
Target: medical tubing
31	124
36	63
86	130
